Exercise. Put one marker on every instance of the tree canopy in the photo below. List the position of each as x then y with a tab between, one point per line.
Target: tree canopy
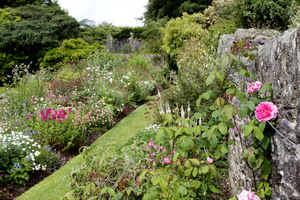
18	3
157	9
27	32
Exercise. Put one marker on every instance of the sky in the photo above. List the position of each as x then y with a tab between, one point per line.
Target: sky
117	12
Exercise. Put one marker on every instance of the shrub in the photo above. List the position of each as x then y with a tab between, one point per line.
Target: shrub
273	14
71	50
61	128
179	30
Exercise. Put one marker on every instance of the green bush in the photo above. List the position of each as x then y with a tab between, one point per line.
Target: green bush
178	31
274	14
195	62
218	29
71	50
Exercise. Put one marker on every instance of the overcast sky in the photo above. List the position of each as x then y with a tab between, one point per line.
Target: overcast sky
116	12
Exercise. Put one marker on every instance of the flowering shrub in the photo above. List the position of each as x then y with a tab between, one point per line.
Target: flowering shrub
61	128
21	154
97	113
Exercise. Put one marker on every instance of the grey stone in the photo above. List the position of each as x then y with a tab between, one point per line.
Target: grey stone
277	62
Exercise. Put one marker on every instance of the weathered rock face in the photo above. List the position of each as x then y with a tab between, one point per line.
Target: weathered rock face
276	62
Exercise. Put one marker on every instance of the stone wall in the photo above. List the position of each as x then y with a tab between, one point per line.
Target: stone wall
276	62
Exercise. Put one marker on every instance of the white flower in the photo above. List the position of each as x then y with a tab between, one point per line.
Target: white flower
37	153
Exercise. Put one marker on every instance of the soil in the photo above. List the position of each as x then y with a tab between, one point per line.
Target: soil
40	175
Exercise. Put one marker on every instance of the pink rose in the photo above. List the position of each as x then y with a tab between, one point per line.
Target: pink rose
266	111
209	160
255	86
245	195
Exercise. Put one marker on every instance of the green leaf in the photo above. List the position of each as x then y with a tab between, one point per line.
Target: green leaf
160	134
224	148
216	113
229	91
111	192
229	112
163	185
214	141
155	180
206	95
257	133
223	128
103	190
188	171
143	174
220	76
248	130
251	105
210	132
182	190
244	111
169	132
194	161
224	61
243	72
265	169
205	169
198	101
195	172
197	184
213	189
210	79
262	126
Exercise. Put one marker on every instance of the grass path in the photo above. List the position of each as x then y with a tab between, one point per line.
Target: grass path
55	186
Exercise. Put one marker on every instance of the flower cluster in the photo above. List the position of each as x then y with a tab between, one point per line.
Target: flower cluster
255	86
247	195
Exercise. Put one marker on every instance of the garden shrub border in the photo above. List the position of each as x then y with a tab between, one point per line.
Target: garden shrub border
55	186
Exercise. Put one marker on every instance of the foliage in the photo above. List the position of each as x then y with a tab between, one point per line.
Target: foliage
218	29
98	34
156	9
71	50
29	31
17	99
60	128
275	14
223	114
195	61
178	31
18	3
20	154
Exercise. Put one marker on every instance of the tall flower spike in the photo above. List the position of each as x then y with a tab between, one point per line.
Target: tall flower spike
161	110
168	110
159	95
200	121
182	112
189	109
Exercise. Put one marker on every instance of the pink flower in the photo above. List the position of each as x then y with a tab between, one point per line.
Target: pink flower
209	160
245	195
143	166
255	86
167	160
266	111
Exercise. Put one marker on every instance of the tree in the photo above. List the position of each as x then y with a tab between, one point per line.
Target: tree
157	9
27	32
275	14
18	3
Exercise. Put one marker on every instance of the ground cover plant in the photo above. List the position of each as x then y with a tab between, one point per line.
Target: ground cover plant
50	115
